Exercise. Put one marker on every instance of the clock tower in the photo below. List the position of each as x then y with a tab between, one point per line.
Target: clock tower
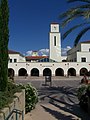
55	42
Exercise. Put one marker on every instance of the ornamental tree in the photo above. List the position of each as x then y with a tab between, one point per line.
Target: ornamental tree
4	38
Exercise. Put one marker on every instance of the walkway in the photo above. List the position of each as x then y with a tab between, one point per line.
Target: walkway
58	102
54	107
51	112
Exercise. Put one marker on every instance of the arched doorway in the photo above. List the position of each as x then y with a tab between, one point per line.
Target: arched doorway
34	72
11	72
22	72
83	71
47	72
59	72
71	72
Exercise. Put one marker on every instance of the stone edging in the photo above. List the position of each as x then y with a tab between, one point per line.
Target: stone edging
18	103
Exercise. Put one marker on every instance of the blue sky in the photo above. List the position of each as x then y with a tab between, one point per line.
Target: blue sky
30	21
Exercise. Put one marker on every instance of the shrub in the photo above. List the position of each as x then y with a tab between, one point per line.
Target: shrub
81	91
88	90
31	97
84	102
83	94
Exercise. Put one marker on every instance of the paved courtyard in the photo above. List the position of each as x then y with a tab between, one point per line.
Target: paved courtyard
58	102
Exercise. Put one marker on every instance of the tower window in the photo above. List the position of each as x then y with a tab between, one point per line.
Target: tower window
54	40
83	59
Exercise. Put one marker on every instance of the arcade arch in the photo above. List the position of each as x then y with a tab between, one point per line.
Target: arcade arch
71	72
83	71
59	72
22	72
34	72
11	72
47	72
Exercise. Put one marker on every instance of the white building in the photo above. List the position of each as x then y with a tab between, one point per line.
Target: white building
80	53
15	57
78	61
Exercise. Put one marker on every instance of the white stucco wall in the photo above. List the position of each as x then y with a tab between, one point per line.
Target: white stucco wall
63	58
83	55
18	57
81	50
51	65
85	47
72	53
54	27
55	51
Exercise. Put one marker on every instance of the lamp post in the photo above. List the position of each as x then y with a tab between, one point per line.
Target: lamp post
67	69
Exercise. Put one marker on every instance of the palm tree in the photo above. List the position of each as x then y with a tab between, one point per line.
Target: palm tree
79	11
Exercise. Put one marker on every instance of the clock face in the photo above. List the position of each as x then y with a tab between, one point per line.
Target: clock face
54	27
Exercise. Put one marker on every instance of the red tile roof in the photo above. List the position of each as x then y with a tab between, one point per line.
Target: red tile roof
12	52
35	57
88	41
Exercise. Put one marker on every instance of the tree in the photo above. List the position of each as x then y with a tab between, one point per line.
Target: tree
4	38
80	11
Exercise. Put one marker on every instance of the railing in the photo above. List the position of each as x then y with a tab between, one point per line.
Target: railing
17	112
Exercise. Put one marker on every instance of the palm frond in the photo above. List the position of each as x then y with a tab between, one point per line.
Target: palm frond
71	17
80	11
87	1
68	13
73	28
86	14
86	6
66	21
74	10
80	35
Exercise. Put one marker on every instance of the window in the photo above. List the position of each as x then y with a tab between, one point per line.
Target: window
83	59
54	40
10	60
15	60
74	59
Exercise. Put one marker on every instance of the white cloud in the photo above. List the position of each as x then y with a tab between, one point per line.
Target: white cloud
29	53
64	50
42	52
